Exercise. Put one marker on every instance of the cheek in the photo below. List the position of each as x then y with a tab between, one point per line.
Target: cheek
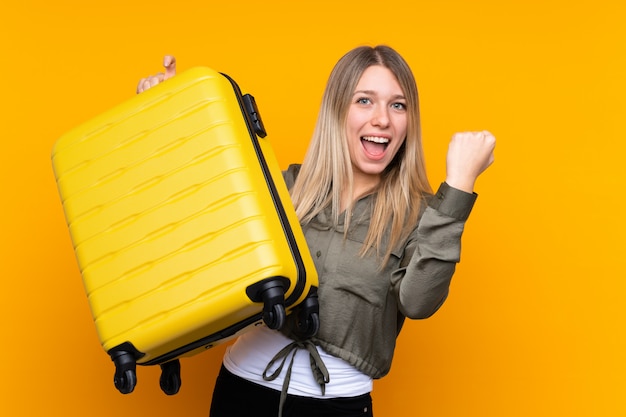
354	122
396	148
400	132
401	126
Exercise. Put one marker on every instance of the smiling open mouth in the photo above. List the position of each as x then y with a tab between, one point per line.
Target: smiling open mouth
374	145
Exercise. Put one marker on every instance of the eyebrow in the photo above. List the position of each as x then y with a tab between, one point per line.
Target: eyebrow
373	93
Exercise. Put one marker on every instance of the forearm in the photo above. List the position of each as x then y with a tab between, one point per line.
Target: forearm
422	283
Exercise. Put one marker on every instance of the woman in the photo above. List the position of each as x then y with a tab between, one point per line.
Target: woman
384	246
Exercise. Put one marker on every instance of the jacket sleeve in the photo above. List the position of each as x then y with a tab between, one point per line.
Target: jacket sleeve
434	248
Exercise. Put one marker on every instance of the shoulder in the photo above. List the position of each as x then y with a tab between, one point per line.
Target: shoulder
290	174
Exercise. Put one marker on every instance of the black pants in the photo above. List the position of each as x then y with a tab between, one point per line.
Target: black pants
237	397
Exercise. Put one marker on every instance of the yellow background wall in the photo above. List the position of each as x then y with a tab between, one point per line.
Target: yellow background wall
535	323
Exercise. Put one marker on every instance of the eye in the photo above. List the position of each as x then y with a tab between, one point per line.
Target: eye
399	106
363	100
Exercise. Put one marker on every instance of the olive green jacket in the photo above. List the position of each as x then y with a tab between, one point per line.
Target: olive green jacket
362	308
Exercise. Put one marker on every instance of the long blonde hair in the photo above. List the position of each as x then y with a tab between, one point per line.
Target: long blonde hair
327	169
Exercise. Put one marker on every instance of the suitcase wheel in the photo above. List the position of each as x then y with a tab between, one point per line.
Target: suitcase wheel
308	318
170	377
309	327
271	292
125	382
275	316
125	377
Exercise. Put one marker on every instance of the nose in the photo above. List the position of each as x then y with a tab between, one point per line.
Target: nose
380	117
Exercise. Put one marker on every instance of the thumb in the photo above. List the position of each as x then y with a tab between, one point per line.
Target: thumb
169	62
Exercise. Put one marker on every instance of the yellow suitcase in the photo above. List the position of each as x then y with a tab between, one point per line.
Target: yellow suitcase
182	225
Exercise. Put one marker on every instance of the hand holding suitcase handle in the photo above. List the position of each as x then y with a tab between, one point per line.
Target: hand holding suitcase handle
169	62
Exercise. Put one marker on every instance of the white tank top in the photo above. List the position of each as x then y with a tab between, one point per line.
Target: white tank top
249	355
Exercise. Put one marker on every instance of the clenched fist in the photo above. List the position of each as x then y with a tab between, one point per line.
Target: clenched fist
469	154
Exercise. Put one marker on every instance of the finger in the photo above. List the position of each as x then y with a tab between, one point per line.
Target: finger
169	62
149	82
140	85
156	79
489	140
145	85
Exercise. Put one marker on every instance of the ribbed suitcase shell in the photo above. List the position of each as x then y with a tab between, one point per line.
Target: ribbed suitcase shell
172	217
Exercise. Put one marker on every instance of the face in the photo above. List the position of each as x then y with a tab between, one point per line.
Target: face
377	123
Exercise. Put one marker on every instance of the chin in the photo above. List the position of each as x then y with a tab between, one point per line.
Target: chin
371	170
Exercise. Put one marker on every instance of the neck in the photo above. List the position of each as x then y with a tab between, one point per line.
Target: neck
363	184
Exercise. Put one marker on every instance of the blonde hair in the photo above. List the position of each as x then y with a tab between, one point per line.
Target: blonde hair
327	169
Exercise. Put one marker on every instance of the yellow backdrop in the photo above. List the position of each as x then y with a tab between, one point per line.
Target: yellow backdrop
535	323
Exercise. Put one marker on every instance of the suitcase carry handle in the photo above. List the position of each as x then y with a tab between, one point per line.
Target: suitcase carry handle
255	117
250	109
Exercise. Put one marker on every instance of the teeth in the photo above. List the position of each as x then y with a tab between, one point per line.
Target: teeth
375	139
